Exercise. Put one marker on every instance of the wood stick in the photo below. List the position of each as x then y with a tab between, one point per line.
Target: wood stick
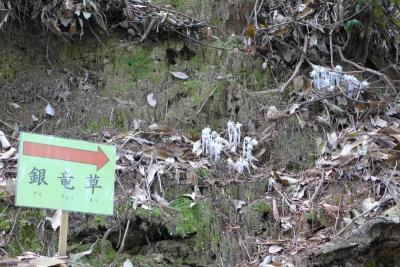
377	73
121	248
148	30
297	69
319	187
63	234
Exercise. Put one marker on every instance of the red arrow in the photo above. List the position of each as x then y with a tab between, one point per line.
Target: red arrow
97	158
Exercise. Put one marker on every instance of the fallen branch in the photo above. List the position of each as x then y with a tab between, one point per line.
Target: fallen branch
148	29
297	69
377	73
319	187
121	248
205	101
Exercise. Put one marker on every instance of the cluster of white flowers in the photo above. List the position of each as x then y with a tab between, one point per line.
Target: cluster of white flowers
325	79
240	166
234	134
213	144
248	145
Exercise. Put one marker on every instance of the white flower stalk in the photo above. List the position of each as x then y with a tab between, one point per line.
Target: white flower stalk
248	145
271	183
234	135
216	145
212	143
206	140
240	166
325	79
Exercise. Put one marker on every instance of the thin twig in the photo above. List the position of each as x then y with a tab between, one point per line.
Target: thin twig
319	187
97	37
6	124
200	42
14	224
297	69
148	29
205	101
121	248
106	235
338	213
40	124
331	47
377	73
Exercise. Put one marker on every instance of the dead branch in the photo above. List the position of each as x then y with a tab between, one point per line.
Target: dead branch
319	187
374	72
297	69
148	29
121	248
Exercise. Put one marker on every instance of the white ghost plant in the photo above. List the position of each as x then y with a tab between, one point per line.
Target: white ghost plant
234	134
248	145
240	166
213	144
325	79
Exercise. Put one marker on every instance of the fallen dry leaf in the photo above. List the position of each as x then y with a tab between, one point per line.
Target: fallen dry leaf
179	75
4	141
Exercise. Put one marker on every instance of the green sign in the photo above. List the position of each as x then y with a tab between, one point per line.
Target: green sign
71	175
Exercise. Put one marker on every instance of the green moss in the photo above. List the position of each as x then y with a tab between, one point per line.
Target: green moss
203	173
5	222
259	79
98	220
196	100
103	254
86	54
5	225
7	72
137	64
8	67
197	220
229	44
188	218
178	4
108	254
249	195
93	126
393	212
309	217
145	261
215	21
193	85
25	238
147	214
337	200
261	206
142	261
318	218
233	191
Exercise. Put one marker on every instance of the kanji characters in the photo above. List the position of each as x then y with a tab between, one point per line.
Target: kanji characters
93	182
37	176
66	180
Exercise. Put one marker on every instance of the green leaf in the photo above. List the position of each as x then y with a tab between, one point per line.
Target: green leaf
351	23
